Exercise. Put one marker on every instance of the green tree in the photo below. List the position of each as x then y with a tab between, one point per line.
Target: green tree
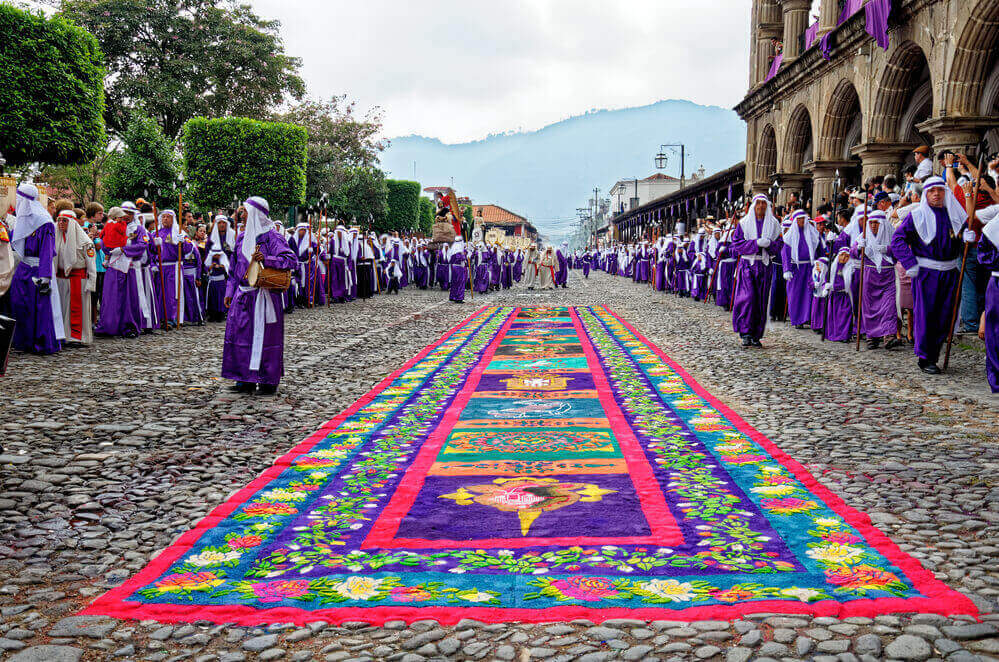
52	96
426	215
86	181
177	59
147	166
403	204
236	157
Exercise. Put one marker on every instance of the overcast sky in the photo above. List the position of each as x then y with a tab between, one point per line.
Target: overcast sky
459	70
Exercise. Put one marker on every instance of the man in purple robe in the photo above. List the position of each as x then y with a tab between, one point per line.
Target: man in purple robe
878	316
800	247
175	249
842	294
339	257
442	269
253	352
988	259
457	262
928	245
33	294
753	242
562	266
126	308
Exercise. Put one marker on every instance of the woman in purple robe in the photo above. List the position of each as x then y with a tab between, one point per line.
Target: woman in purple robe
988	259
421	268
878	315
584	263
480	270
754	242
800	247
562	266
840	318
33	296
253	352
495	268
928	243
457	263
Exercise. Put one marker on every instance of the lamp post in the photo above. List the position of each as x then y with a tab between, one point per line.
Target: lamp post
661	159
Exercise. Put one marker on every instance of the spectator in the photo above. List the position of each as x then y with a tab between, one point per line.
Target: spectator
924	165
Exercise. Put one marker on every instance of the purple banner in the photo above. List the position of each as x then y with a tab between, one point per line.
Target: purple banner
774	67
850	7
825	46
810	34
877	12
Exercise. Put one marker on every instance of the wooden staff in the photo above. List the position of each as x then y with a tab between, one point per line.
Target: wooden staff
471	281
972	221
860	289
735	284
329	263
180	269
159	255
309	271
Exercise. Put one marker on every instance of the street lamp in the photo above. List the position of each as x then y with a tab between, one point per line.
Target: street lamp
661	159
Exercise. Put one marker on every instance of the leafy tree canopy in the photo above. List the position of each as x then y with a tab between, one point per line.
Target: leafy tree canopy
148	165
177	59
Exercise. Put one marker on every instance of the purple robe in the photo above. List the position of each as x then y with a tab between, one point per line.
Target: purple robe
457	276
878	315
124	301
799	286
39	328
442	273
724	277
192	268
933	290
840	321
752	289
172	277
241	331
561	269
215	304
988	260
518	268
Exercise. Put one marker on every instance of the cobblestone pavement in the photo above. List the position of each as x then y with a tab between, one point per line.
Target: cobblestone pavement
114	451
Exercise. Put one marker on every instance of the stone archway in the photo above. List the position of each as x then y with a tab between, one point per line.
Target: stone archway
766	156
840	124
975	55
798	142
989	105
904	97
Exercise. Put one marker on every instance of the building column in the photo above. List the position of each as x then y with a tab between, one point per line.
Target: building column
880	159
824	180
795	24
770	27
828	15
793	182
958	134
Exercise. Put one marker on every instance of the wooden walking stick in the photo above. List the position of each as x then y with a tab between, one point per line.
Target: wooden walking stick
860	289
180	246
159	256
972	222
309	270
471	281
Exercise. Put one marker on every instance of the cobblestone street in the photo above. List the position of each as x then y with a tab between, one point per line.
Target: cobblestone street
112	452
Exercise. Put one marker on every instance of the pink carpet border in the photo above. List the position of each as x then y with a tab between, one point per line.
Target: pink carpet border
943	600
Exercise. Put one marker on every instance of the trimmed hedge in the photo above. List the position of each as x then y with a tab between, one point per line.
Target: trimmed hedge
426	215
240	157
403	204
52	96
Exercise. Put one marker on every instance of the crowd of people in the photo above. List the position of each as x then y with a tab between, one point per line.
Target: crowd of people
881	263
68	274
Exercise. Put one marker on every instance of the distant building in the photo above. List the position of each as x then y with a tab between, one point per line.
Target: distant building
494	216
630	194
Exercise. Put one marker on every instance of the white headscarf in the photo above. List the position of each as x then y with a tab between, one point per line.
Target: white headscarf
847	272
458	247
175	234
991	230
257	224
881	240
926	221
31	215
792	236
303	240
771	226
77	246
230	234
223	258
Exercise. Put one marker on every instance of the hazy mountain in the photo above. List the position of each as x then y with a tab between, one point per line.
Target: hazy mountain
546	174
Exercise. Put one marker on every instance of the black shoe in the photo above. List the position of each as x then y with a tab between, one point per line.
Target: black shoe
747	341
893	343
928	367
267	389
756	342
874	343
243	387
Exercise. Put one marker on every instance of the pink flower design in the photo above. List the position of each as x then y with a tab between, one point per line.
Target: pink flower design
840	537
860	577
789	505
410	594
281	589
743	458
591	589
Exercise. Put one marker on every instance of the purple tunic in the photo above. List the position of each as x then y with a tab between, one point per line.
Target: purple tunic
215	305
988	260
457	276
799	286
35	330
121	301
442	273
933	290
752	291
518	268
561	269
840	321
239	329
170	273
878	315
724	277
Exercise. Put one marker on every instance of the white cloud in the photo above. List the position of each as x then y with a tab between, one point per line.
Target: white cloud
458	70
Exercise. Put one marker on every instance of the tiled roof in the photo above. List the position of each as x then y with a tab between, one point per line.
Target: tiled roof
496	215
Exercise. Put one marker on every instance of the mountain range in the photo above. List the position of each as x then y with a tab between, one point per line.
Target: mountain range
546	174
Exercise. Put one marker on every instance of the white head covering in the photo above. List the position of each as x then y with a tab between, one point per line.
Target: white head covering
304	242
257	223
881	240
175	234
230	234
792	236
771	226
31	215
74	249
458	247
223	258
925	220
847	272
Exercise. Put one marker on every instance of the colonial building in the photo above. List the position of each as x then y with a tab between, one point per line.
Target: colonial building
826	97
494	216
629	194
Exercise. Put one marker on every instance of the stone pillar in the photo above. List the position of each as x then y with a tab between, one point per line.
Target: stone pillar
770	26
791	183
824	180
828	15
958	134
881	159
795	24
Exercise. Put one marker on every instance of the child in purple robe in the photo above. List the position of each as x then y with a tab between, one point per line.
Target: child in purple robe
840	319
878	316
216	272
253	353
801	245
